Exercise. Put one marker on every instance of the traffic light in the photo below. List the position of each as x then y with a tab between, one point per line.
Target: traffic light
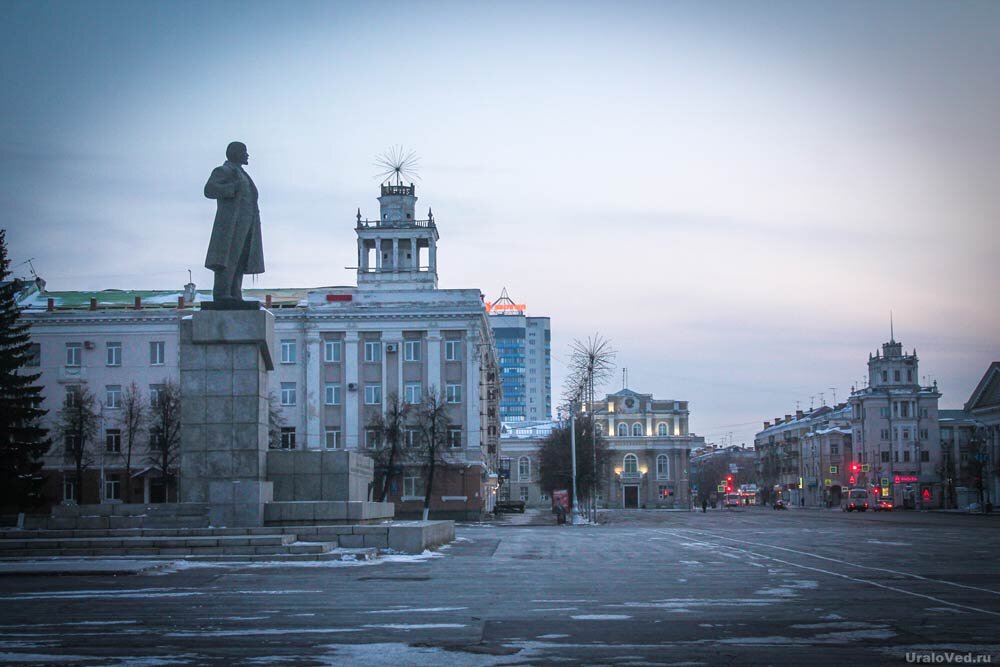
855	467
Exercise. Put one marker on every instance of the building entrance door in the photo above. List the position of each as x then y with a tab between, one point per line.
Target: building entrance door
631	497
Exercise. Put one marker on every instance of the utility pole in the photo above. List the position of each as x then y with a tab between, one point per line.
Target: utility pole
572	446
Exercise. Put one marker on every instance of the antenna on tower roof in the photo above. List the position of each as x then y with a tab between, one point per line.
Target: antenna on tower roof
397	163
892	334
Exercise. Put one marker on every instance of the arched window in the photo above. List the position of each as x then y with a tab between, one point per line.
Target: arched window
524	469
662	466
661	429
622	430
637	430
631	463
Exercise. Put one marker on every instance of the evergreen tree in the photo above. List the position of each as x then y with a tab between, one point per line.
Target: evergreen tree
23	440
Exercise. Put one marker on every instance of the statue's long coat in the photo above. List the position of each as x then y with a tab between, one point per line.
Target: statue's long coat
235	220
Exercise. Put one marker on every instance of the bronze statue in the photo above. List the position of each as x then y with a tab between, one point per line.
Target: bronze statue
236	248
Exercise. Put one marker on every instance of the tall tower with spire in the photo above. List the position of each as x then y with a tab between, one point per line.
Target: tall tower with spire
397	251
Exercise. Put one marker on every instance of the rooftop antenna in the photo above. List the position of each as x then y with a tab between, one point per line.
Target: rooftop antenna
834	390
190	279
892	334
822	398
624	378
796	406
812	399
397	163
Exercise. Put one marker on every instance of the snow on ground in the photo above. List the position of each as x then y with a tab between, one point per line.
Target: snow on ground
414	626
409	610
601	617
891	544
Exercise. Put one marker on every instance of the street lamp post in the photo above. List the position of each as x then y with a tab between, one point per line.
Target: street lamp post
572	448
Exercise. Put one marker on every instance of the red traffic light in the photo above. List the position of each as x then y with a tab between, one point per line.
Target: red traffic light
729	478
729	489
854	467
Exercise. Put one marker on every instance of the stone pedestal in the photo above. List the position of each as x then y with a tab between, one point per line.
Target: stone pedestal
224	357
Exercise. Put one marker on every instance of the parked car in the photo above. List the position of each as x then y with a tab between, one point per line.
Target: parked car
509	506
780	504
856	500
732	500
883	506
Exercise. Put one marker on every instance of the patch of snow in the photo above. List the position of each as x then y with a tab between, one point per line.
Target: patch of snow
690	562
379	655
601	617
832	617
249	632
411	558
950	610
415	626
835	624
555	636
413	609
855	635
556	609
11	658
891	544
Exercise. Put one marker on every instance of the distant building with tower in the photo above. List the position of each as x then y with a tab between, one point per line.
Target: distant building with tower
524	352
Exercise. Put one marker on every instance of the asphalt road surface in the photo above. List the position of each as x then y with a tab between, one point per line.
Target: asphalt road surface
730	587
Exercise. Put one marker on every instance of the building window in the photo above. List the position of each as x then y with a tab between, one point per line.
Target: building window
883	412
637	430
906	435
885	376
909	375
69	489
453	350
154	393
833	470
114	352
113	487
72	395
454	437
332	438
453	393
630	464
923	412
288	437
906	456
662	467
411	393
288	351
74	352
113	396
885	457
113	441
663	491
924	434
331	351
373	351
661	429
372	439
288	393
373	394
884	435
925	456
622	430
33	357
524	469
895	376
332	394
411	437
834	448
523	494
413	487
157	353
411	350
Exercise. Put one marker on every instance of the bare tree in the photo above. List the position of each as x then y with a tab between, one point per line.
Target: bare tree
555	461
275	420
134	413
165	432
78	425
432	422
390	429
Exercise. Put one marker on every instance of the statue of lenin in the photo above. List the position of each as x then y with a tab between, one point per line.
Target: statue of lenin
236	247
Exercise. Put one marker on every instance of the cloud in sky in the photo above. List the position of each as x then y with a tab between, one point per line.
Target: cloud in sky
735	193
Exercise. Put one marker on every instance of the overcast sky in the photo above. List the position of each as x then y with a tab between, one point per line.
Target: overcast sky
736	194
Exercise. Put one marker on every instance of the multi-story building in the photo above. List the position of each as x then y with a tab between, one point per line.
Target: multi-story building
984	406
340	355
896	432
650	445
524	351
520	444
827	457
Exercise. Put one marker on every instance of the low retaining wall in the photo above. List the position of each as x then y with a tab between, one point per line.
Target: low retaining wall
411	537
106	516
329	512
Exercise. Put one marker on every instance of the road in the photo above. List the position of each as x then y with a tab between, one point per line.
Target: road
734	587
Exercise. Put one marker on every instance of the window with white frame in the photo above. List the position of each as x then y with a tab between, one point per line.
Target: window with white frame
114	354
113	440
523	495
622	430
661	429
413	487
331	351
34	356
373	394
662	467
74	354
524	469
332	438
454	437
453	393
371	439
113	396
288	437
69	489
288	393
411	393
411	437
288	352
663	491
113	487
332	394
453	350
599	429
636	430
157	353
411	350
373	351
630	463
154	393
